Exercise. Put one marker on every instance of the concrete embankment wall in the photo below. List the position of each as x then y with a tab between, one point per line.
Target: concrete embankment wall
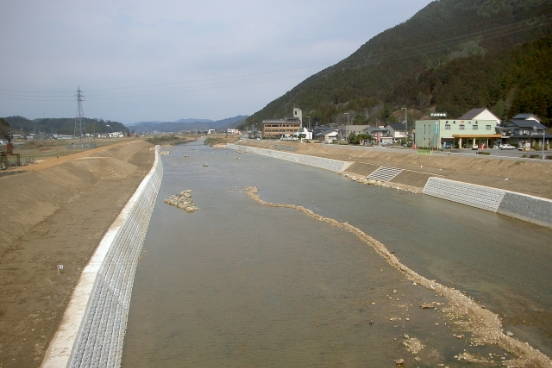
521	206
322	163
93	327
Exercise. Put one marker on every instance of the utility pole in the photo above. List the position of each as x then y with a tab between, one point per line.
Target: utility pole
405	126
78	119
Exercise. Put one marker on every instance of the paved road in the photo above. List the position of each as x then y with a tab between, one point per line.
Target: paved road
494	152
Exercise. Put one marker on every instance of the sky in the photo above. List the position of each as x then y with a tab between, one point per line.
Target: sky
165	60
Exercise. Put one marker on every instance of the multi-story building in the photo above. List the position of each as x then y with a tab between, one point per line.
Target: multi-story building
276	129
477	127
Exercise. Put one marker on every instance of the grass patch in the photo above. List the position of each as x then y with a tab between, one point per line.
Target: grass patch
170	139
211	141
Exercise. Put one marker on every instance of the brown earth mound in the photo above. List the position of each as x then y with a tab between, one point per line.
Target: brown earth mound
55	213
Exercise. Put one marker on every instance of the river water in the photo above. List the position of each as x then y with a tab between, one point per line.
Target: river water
239	284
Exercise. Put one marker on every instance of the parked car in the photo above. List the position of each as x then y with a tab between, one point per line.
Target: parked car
475	146
506	146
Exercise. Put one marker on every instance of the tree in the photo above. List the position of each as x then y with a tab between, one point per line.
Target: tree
363	138
351	138
5	130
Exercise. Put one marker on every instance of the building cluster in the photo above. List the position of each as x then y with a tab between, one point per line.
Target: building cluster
481	128
475	129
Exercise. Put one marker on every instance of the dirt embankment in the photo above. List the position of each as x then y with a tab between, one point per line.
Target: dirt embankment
523	176
55	213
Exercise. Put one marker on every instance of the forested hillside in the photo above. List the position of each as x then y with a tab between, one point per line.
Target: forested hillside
47	126
510	82
452	56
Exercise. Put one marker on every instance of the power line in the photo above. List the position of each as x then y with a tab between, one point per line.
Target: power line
266	77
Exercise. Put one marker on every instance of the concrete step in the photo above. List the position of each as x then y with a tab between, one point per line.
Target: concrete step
384	173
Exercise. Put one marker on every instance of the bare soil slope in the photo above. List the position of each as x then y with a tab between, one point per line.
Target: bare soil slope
55	213
532	177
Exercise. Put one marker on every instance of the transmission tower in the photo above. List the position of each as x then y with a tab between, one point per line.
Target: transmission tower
78	119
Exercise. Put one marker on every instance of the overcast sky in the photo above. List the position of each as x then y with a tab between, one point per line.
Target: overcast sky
166	60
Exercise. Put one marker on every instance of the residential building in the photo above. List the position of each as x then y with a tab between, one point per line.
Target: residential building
380	135
328	135
396	130
525	131
343	131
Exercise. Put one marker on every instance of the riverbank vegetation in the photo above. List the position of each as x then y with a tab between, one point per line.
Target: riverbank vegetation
171	139
220	139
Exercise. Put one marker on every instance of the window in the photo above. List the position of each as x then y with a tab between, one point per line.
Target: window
487	127
447	126
474	127
461	127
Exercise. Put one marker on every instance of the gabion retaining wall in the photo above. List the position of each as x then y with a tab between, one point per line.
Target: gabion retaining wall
527	208
100	338
521	206
473	195
320	162
94	324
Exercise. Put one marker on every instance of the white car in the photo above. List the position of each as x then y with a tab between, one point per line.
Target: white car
506	146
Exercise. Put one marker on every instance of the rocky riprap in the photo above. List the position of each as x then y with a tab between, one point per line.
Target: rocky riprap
183	200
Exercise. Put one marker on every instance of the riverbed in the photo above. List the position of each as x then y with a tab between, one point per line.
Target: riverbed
239	283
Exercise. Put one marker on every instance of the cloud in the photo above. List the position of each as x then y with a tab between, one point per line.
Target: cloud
166	60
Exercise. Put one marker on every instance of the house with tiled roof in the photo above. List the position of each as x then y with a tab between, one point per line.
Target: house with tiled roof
525	131
396	130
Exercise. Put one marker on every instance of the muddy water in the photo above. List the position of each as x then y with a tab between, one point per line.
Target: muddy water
241	284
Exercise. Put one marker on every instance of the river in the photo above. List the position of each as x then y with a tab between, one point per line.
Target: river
239	284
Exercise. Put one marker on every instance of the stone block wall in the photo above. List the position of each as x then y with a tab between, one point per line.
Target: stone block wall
521	206
320	162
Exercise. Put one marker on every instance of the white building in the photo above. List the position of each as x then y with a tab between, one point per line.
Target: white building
460	132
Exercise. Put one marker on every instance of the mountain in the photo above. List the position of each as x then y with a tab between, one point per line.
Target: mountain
446	38
48	126
21	125
186	125
194	121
